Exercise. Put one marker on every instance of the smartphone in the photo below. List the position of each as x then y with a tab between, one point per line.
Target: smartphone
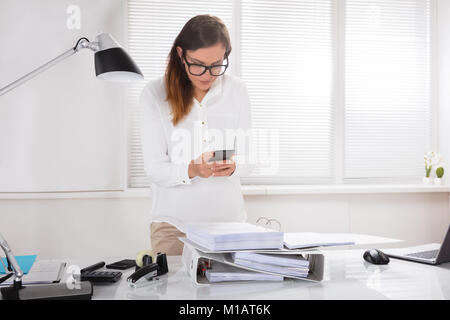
220	155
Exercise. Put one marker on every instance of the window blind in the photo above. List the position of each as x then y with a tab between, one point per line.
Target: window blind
152	28
388	100
340	89
287	60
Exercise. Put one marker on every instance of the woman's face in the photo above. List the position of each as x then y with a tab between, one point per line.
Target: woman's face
213	55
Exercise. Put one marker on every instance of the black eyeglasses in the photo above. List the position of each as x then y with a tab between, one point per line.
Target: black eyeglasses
199	69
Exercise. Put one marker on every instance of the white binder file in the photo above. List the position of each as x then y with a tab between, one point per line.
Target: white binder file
221	272
193	257
233	236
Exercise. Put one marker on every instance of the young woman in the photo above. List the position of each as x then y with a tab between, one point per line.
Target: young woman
193	110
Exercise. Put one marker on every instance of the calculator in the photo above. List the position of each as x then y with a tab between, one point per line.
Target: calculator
101	276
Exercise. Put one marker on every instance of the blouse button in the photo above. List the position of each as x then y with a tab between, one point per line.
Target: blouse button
184	181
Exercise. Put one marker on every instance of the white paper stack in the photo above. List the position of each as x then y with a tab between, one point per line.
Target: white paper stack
221	272
222	236
287	265
311	239
302	240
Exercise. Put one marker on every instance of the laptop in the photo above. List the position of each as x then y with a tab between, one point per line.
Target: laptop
433	253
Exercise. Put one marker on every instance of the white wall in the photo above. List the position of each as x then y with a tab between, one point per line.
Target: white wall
63	130
76	227
119	227
415	218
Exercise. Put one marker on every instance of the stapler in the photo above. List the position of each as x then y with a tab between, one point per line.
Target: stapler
149	270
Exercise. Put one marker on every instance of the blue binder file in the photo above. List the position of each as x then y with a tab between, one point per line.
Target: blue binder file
25	263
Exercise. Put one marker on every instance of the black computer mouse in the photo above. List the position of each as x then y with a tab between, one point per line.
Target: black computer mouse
376	256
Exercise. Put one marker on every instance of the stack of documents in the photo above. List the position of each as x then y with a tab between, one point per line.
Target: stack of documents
311	239
303	240
286	265
241	251
222	272
233	236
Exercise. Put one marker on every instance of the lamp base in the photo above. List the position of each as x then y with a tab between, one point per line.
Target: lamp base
54	291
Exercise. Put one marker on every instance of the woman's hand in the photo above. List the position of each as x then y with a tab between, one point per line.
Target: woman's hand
202	168
223	168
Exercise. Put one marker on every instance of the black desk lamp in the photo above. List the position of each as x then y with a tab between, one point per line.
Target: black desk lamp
112	63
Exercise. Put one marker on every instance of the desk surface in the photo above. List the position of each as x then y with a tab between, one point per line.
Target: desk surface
346	276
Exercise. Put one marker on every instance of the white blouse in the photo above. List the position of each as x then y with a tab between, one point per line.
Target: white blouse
220	121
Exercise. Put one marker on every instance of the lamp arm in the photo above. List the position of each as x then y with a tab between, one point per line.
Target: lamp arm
82	43
17	271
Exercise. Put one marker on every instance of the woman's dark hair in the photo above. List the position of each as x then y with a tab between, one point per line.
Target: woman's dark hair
201	31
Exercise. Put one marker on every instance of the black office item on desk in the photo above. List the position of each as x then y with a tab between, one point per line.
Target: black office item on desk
101	276
150	270
94	267
90	274
122	264
375	256
54	291
6	277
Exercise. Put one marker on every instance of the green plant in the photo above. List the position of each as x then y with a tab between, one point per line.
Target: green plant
428	171
428	158
440	172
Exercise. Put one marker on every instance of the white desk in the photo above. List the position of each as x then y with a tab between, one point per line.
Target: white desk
347	276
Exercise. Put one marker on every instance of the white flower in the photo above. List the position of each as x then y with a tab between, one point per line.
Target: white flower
432	158
428	156
437	160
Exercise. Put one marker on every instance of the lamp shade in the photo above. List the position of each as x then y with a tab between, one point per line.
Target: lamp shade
112	63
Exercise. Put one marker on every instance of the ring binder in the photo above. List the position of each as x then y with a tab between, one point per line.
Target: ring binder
193	257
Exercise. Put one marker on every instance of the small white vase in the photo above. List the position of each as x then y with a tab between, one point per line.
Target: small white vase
427	180
438	181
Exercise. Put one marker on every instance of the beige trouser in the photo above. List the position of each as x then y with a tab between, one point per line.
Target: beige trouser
164	239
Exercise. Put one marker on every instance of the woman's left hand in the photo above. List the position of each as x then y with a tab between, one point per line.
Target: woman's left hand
223	168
